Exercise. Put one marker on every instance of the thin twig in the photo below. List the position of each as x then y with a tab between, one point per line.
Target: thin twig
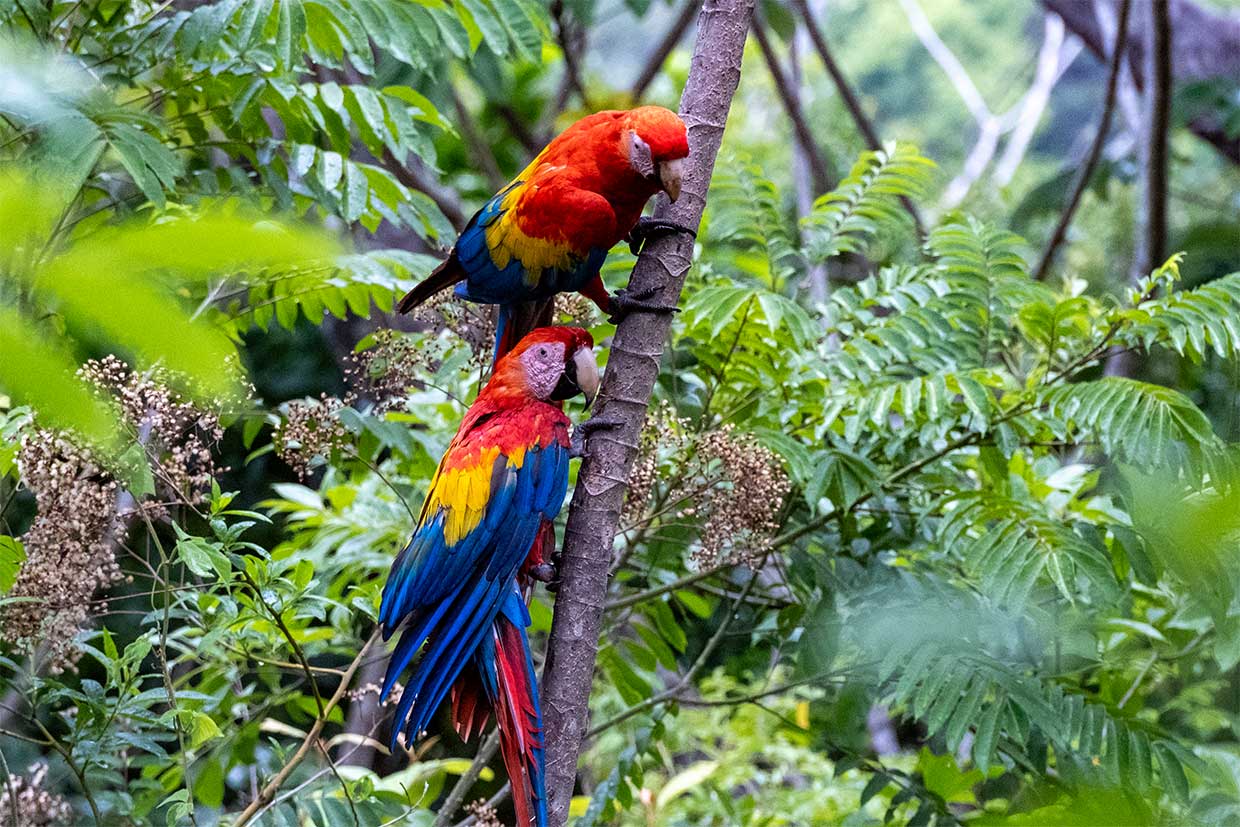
344	785
268	791
688	12
792	106
1086	170
288	636
852	103
685	680
486	751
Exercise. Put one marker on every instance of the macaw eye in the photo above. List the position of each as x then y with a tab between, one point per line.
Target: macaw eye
542	351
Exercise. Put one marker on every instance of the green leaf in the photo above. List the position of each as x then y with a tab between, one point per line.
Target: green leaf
40	373
12	555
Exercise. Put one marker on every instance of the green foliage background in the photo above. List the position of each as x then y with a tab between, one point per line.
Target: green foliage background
993	585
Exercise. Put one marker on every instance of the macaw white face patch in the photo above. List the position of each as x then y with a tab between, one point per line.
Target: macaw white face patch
640	157
544	364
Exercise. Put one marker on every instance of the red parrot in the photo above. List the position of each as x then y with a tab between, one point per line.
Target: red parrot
456	590
549	230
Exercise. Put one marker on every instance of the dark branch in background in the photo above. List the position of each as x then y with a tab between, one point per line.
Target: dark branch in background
1086	170
571	38
1158	64
1151	225
688	12
816	275
517	126
477	145
851	102
792	105
1209	48
416	176
632	368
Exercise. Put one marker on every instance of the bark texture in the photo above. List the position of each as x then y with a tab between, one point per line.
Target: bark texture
632	368
1208	47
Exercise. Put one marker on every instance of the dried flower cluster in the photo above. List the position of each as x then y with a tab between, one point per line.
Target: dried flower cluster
741	510
484	814
392	365
82	516
470	323
574	309
311	429
69	547
177	435
729	484
35	806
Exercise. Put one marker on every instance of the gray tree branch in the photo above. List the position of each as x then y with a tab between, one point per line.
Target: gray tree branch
1151	226
1209	48
633	366
1086	170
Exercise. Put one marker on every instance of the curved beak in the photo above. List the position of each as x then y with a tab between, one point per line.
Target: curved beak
587	373
670	174
580	376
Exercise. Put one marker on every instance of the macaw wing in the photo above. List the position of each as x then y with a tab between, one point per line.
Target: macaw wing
474	522
535	237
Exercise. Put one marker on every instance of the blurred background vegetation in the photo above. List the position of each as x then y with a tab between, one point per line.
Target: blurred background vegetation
913	536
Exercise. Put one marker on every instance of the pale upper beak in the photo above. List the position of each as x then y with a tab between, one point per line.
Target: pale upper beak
670	174
587	373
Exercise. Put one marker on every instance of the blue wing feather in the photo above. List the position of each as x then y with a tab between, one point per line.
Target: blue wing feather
486	283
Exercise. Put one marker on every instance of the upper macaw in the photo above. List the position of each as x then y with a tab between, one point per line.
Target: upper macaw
549	230
482	534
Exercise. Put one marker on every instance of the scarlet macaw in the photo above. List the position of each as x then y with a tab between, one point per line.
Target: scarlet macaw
549	230
482	534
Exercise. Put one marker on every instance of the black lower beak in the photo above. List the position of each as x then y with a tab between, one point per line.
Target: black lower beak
567	387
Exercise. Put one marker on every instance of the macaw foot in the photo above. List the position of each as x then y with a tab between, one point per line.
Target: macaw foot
647	228
545	572
626	301
577	443
548	573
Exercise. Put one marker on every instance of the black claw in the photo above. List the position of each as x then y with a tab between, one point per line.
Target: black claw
647	228
627	301
577	445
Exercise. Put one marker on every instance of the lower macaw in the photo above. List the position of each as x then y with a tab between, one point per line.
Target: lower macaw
456	590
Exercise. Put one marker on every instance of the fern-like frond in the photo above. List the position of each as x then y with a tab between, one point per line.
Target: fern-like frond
954	661
1009	546
1190	322
1136	422
847	218
747	214
985	272
351	284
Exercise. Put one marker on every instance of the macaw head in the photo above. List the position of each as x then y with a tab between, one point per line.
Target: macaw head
551	364
657	144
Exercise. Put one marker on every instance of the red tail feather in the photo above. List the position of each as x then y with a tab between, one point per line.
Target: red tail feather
520	727
470	708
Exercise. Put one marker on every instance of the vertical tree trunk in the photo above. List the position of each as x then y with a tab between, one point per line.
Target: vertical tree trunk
1150	241
628	384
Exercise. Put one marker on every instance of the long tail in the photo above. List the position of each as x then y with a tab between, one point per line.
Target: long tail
441	278
504	683
455	628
